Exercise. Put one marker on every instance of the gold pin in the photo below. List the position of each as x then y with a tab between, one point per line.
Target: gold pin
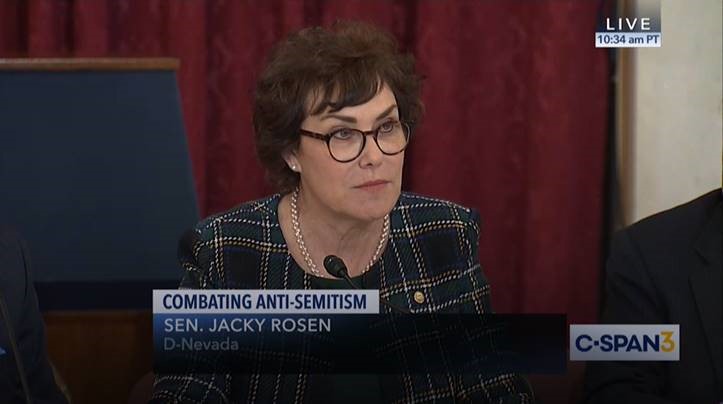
419	297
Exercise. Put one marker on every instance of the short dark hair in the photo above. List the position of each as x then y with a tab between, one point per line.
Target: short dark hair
342	66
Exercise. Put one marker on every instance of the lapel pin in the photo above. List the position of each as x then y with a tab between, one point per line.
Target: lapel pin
419	297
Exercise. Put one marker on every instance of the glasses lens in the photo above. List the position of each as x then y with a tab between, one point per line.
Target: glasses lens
346	144
393	137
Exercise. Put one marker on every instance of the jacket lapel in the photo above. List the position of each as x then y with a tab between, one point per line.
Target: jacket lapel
706	281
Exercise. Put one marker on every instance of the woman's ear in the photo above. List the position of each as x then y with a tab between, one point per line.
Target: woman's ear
292	162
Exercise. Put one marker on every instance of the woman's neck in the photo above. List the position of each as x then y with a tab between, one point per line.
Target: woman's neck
325	232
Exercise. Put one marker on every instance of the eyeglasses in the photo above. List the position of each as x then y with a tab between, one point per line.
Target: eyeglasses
346	144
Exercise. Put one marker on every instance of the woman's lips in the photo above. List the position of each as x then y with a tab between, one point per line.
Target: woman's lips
372	184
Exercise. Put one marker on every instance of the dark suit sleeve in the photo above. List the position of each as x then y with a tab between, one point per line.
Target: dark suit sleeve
631	298
30	334
475	298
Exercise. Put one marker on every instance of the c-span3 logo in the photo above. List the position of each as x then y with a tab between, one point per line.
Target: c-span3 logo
624	342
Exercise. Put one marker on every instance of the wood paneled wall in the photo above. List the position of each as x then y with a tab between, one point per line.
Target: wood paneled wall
100	355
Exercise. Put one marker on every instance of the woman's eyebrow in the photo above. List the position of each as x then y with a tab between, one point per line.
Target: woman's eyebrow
352	119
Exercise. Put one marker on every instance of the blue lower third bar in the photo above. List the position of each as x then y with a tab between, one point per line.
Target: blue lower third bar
360	343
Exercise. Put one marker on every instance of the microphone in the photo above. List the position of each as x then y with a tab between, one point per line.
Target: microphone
16	352
337	268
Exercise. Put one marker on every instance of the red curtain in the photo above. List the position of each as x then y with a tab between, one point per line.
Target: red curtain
516	98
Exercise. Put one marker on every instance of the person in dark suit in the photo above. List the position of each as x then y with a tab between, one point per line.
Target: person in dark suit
666	269
20	320
334	113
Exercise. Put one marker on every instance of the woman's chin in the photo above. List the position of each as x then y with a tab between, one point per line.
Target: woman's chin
374	211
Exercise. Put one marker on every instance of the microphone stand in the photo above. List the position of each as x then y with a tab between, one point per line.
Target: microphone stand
337	268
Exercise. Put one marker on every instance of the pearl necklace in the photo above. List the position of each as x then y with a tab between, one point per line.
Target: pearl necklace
302	246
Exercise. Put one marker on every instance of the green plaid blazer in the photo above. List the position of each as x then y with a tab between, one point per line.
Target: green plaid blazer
432	249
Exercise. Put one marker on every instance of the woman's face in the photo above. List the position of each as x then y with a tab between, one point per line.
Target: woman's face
365	188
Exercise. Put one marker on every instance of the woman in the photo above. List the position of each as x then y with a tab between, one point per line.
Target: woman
333	116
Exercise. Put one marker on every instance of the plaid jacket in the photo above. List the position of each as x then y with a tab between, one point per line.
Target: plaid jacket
432	249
